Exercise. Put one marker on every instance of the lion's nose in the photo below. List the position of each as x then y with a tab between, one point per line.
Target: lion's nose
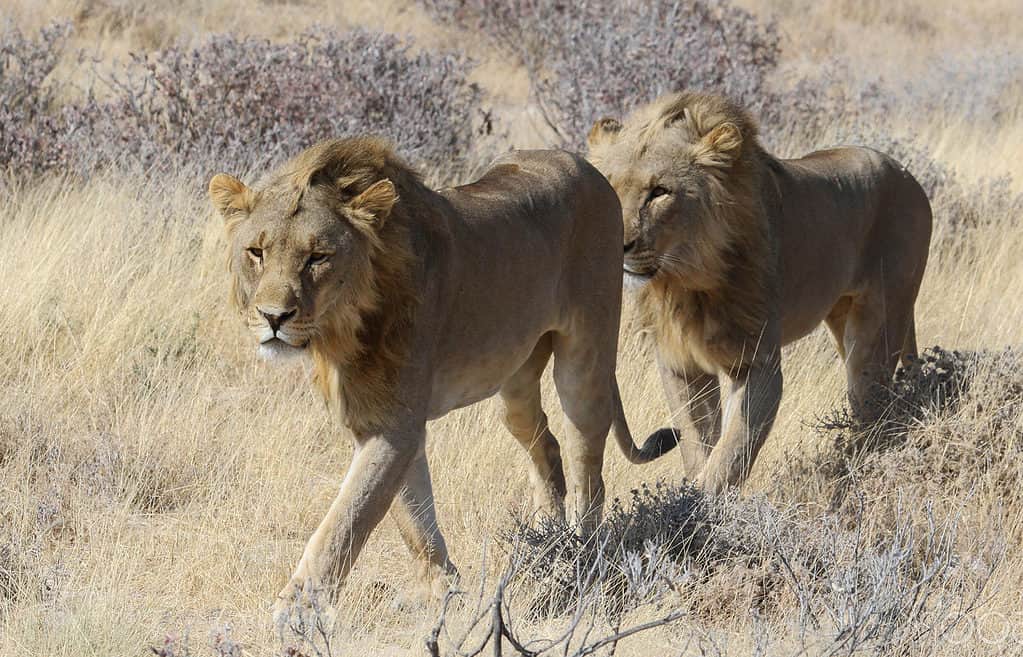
275	319
629	245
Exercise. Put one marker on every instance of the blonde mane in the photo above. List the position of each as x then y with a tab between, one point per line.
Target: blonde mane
733	300
363	338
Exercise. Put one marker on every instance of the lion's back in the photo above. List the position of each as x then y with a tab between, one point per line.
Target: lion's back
558	193
866	184
532	179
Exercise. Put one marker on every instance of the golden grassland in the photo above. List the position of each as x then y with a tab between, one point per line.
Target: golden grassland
154	478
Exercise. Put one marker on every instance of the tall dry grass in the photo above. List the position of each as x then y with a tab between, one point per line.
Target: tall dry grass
155	479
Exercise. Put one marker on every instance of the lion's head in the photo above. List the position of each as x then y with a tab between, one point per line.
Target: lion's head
683	167
311	250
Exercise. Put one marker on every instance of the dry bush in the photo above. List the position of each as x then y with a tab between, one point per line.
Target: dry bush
30	128
970	86
924	389
236	103
591	59
950	439
675	562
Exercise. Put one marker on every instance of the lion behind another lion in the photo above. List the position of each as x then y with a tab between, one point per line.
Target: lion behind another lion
735	253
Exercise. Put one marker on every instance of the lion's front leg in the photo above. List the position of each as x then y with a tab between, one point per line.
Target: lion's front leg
695	396
416	517
749	411
377	471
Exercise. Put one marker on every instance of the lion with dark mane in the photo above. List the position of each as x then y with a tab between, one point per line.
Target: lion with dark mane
736	253
412	303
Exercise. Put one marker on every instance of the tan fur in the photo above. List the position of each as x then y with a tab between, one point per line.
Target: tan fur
412	303
361	341
744	253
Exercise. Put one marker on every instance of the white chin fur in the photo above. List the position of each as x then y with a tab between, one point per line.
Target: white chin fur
633	282
278	351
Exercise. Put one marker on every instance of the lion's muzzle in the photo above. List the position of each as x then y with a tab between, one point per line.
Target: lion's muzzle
275	338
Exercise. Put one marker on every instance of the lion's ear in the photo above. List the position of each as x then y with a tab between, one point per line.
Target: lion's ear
229	195
378	200
603	131
722	145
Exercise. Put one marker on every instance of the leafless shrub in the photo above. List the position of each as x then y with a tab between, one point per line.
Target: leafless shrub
923	389
932	389
30	128
591	59
665	527
234	103
979	440
307	629
714	560
971	86
980	86
951	436
221	644
903	593
245	101
492	623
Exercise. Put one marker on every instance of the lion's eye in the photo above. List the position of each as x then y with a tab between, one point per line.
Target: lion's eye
317	258
657	192
256	253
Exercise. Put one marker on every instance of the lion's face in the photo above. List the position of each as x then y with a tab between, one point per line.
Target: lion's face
669	189
295	259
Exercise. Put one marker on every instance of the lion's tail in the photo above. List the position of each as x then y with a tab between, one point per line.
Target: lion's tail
657	444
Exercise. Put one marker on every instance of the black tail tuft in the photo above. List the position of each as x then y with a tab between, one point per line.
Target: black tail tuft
660	442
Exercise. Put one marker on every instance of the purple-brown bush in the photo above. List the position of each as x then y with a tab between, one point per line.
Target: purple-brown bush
592	59
30	131
239	102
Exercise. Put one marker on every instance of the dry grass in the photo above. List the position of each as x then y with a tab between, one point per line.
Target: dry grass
155	479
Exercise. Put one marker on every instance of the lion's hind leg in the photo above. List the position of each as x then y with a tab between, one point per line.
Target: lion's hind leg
877	334
583	375
526	421
909	348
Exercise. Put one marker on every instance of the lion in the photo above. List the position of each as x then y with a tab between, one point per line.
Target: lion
412	303
734	253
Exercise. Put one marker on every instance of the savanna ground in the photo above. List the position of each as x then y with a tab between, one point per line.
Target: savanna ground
157	484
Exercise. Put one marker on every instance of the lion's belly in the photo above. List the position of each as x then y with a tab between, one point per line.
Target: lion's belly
462	381
797	326
459	397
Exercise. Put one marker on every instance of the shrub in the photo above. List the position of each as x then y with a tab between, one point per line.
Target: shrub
248	101
923	389
719	559
951	436
30	130
928	390
591	59
233	103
